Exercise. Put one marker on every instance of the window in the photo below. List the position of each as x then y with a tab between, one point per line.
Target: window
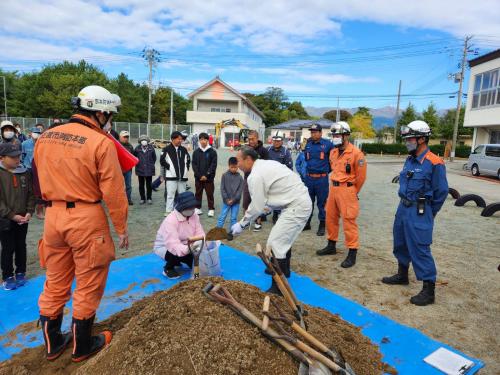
486	89
478	150
492	151
220	109
495	136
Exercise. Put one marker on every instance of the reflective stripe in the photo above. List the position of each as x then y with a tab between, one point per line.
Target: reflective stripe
47	336
74	338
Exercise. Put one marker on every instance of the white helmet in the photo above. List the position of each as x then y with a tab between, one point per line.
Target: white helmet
340	128
97	99
417	128
277	135
6	123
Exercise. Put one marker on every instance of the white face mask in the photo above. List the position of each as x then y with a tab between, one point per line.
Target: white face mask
144	143
337	141
188	213
35	135
8	134
18	130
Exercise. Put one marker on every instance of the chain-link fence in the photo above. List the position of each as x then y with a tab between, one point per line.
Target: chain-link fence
154	131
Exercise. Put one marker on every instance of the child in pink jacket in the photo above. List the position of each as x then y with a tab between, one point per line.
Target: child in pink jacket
171	239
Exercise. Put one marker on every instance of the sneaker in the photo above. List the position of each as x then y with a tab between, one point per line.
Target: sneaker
150	201
130	203
257	227
10	283
211	213
142	202
171	273
198	211
230	237
21	279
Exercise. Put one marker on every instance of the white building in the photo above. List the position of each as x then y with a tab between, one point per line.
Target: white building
483	99
217	101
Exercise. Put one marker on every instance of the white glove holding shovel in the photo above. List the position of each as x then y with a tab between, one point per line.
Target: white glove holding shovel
237	228
196	246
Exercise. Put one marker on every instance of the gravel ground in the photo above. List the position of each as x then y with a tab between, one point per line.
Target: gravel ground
466	249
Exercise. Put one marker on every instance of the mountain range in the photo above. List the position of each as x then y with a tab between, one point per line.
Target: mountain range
383	116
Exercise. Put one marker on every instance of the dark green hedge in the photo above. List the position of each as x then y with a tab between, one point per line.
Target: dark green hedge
394	149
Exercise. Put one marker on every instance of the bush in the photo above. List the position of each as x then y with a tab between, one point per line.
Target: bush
394	149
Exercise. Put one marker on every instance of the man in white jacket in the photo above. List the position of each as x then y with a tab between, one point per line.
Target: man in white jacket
272	184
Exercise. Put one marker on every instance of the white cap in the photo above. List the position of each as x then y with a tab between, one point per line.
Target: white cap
124	133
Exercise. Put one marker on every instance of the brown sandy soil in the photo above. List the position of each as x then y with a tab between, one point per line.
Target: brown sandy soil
466	312
180	331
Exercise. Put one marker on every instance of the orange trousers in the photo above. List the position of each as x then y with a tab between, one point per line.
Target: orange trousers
343	202
77	244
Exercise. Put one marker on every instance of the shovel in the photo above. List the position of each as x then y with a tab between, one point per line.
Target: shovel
220	294
214	234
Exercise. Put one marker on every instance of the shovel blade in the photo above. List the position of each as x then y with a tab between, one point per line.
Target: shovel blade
317	368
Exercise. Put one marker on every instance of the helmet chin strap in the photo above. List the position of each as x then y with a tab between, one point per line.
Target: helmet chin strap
107	117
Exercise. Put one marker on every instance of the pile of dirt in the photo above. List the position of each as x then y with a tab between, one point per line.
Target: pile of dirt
180	331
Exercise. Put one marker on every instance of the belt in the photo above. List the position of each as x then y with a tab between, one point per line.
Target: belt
337	183
409	203
317	175
69	204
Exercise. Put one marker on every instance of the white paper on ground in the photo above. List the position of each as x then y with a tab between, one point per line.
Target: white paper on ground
448	362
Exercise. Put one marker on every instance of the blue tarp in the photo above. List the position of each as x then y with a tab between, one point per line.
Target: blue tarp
131	279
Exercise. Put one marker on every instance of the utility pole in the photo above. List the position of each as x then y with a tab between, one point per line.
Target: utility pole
337	115
396	116
4	96
459	99
152	56
171	109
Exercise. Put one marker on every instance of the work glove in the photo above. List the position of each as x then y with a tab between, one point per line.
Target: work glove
237	228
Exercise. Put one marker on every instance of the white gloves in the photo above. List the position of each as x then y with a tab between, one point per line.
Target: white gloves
196	246
236	229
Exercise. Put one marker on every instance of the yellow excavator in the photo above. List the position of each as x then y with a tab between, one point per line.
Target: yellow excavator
242	136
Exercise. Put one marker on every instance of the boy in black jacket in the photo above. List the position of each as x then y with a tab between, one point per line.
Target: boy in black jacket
204	166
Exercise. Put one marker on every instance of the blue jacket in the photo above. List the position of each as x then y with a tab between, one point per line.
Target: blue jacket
147	160
301	165
281	155
28	149
318	155
424	176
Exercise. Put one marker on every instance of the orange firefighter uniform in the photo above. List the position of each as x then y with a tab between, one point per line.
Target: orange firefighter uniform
78	168
347	177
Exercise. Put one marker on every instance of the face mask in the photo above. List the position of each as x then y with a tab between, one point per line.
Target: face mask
188	213
8	134
411	147
107	127
337	142
35	135
18	130
144	143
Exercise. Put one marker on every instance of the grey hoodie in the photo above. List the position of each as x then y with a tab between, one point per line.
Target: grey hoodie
16	192
231	187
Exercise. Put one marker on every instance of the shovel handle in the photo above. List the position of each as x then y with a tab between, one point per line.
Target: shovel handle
265	309
196	238
310	338
317	355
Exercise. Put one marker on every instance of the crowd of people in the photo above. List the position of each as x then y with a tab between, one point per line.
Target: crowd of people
71	168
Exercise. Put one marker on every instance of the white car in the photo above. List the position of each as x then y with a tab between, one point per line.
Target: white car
485	160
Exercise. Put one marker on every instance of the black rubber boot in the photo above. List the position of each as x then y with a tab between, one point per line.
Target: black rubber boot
55	341
350	260
87	345
321	229
285	268
308	224
267	271
426	295
401	278
330	249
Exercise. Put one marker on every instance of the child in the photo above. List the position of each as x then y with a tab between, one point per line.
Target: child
171	239
231	189
204	164
17	204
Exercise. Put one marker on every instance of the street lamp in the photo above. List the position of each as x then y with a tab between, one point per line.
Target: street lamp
4	96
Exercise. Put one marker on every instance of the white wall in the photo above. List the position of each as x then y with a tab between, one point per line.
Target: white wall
489	116
207	105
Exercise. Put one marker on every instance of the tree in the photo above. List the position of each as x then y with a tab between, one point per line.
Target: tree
364	111
297	111
361	122
408	115
447	123
134	99
160	113
332	115
431	117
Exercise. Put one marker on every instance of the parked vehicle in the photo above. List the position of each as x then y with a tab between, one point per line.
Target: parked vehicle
485	160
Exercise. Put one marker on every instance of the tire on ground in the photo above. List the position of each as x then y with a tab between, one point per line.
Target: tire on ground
490	209
454	193
395	180
470	197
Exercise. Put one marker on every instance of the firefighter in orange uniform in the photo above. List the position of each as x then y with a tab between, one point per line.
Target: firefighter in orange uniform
348	175
78	168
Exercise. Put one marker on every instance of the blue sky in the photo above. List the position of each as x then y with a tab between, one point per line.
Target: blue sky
314	50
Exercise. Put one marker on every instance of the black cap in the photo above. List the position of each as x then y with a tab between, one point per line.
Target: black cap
176	134
10	149
316	127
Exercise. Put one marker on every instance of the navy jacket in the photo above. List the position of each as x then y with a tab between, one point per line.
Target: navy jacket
147	160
